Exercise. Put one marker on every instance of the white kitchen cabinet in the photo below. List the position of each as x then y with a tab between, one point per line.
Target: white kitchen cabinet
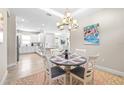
27	49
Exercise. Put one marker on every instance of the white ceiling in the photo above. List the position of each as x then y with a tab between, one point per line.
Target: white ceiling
32	19
62	10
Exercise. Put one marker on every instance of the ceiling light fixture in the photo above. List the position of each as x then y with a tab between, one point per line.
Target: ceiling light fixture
67	22
23	20
43	25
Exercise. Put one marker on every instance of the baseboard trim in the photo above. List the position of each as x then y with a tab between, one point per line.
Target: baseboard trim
27	53
4	77
38	54
116	72
14	64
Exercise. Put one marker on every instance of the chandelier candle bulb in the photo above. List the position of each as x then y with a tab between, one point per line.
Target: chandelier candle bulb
64	21
74	21
57	24
68	14
61	27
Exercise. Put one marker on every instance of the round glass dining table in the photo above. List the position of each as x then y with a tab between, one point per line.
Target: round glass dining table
73	60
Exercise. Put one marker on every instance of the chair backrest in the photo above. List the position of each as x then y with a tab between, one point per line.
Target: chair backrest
92	59
55	52
48	68
88	74
89	67
48	64
81	52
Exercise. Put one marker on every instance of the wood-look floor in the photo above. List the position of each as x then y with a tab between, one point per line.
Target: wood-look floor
28	64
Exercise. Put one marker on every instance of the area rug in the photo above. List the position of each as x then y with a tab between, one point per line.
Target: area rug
100	78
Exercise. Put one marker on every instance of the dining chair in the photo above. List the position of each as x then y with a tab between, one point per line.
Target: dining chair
81	52
53	72
55	52
84	73
92	62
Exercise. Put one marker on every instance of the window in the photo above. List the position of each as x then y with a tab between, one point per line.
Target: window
26	40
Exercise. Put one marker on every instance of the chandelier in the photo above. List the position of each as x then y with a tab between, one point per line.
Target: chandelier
67	22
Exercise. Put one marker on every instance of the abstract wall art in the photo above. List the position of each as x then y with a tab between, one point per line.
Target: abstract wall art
1	27
91	34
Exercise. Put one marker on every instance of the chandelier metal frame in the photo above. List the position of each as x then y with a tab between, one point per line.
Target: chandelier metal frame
68	22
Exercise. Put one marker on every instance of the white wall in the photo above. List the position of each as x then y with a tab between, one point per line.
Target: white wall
3	49
111	29
11	40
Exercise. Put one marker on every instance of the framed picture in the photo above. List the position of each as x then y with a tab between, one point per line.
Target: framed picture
91	34
1	27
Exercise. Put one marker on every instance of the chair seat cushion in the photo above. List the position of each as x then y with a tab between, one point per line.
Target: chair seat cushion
56	71
79	71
